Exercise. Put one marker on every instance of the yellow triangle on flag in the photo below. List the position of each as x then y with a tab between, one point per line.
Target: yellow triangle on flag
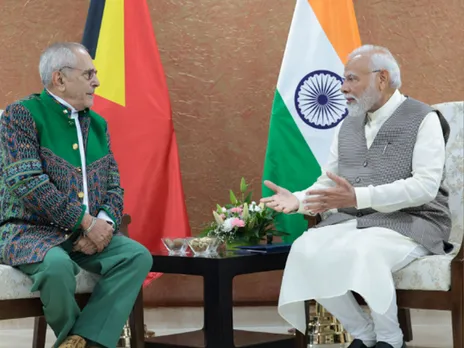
109	58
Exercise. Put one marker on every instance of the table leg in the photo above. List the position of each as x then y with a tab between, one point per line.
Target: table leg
136	323
218	311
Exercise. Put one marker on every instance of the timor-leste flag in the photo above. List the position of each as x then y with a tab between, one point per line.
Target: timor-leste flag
133	98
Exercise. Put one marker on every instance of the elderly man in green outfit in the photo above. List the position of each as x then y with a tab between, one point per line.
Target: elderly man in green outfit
61	203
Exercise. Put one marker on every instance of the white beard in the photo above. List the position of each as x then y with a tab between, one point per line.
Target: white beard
364	103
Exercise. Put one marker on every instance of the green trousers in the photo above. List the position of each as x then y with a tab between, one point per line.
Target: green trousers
123	266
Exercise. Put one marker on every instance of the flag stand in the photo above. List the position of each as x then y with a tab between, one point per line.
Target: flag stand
324	328
124	340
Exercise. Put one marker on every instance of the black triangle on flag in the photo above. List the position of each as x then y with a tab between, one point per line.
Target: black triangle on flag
92	26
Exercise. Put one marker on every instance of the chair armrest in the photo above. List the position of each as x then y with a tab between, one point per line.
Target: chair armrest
124	228
313	220
460	256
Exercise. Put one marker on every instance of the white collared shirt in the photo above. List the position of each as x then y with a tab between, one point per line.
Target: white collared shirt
75	116
427	163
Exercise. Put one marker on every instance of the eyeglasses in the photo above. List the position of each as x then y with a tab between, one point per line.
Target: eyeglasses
351	78
88	74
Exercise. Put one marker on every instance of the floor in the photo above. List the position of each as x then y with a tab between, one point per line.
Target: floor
432	329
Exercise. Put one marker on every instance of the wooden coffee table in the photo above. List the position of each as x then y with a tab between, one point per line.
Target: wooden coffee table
218	273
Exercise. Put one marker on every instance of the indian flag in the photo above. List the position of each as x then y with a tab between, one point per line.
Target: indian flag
308	104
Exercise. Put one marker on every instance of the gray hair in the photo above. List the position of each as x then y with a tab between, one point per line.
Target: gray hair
381	59
56	57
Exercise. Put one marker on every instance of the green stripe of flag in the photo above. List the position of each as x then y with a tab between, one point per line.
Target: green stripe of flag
289	163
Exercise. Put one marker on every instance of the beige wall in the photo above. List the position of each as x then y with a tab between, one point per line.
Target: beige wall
221	60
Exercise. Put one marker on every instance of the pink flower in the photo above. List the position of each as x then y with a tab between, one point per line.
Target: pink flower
236	222
236	210
223	216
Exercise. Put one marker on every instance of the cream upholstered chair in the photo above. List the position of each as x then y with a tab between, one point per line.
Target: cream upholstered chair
434	272
16	300
437	281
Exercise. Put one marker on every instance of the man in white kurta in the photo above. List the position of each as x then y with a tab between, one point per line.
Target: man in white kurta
328	263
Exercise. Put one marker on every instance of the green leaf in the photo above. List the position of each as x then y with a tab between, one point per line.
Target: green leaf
233	199
248	197
243	185
219	208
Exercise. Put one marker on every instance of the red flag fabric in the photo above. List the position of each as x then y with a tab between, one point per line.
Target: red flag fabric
133	98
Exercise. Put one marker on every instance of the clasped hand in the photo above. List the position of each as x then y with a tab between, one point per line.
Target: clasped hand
96	240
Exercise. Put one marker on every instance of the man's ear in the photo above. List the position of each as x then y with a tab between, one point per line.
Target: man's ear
384	78
57	80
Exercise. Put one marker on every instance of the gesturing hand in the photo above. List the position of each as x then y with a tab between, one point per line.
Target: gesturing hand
85	246
340	196
101	234
283	200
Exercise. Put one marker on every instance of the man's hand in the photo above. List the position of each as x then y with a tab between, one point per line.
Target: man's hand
101	234
283	200
85	246
340	196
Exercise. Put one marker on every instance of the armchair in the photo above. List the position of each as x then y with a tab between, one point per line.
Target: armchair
16	300
435	282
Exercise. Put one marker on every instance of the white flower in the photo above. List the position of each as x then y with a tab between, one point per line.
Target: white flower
224	210
254	208
253	203
227	225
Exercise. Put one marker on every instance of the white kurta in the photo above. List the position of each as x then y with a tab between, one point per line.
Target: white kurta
329	261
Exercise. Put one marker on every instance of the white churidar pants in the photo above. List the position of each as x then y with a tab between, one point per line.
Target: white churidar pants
327	263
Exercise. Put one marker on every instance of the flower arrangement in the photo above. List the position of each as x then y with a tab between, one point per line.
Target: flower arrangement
242	221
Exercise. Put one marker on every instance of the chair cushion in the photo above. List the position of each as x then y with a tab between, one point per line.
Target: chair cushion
16	285
426	273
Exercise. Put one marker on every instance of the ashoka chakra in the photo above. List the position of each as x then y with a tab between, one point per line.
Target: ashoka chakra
319	101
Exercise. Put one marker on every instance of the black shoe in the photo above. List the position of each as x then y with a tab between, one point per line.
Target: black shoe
386	345
357	344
